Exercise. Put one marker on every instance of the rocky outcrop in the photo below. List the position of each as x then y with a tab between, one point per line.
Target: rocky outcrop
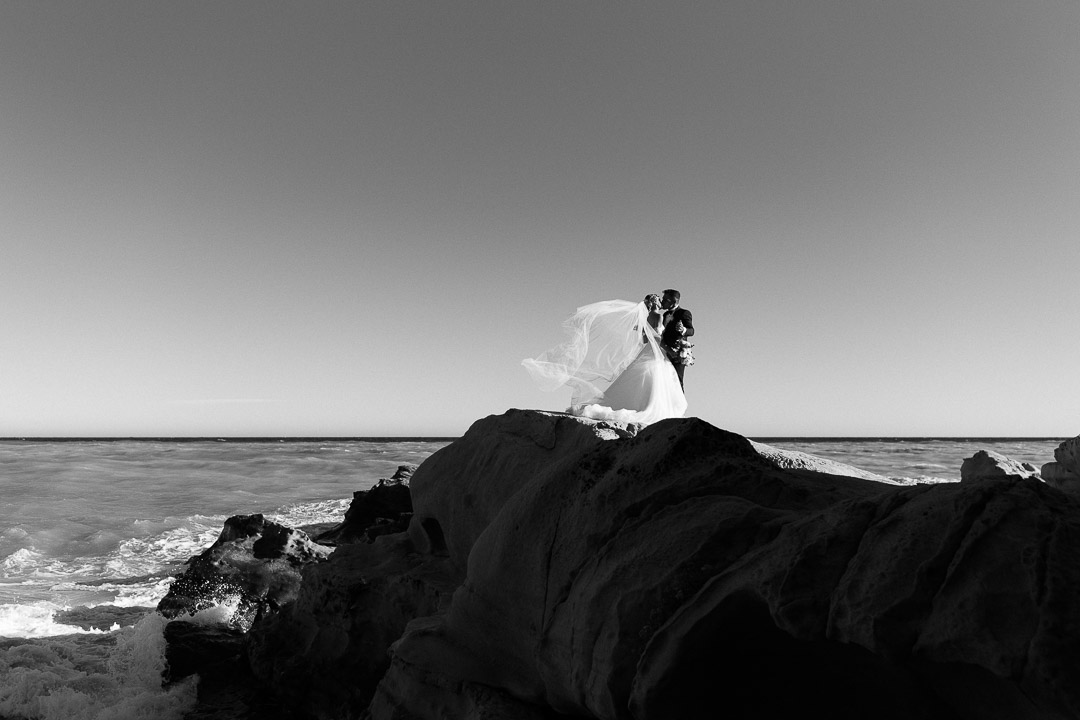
253	566
336	626
556	566
679	573
384	509
459	490
1064	472
987	464
795	460
326	652
1067	455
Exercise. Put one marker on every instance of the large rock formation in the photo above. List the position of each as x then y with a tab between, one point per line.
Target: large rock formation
327	652
679	573
556	566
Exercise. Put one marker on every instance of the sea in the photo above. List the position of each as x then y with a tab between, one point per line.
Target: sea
92	531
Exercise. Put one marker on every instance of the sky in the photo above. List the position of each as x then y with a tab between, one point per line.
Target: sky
357	218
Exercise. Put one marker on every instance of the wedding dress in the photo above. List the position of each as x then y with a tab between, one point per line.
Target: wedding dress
613	364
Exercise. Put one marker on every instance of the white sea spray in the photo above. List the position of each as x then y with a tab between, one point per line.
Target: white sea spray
30	620
113	677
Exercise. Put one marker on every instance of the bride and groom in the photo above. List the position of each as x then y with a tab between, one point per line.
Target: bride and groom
623	361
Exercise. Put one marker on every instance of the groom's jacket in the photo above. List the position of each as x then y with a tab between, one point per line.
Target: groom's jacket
672	317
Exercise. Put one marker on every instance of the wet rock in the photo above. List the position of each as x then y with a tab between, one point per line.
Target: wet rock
202	649
252	568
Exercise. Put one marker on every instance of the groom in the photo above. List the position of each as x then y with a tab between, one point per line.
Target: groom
678	323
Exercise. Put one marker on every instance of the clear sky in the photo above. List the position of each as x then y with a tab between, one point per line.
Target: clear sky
356	218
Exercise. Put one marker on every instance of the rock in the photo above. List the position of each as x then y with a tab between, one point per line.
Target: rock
1055	475
1064	474
496	458
1067	455
253	567
385	508
326	652
217	654
458	700
795	460
201	648
986	464
677	571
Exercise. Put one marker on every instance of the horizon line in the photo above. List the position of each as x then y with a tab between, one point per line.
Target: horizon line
445	438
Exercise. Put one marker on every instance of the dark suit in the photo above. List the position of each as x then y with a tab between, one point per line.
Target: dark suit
671	317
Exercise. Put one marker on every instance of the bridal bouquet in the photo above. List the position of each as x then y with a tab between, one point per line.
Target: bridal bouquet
682	352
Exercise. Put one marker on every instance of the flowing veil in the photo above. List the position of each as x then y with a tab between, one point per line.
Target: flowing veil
603	339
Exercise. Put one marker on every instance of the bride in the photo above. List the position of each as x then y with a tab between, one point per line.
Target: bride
613	364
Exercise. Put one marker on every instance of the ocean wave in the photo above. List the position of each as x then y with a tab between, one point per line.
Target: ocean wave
145	556
130	592
311	513
115	675
19	562
924	480
36	620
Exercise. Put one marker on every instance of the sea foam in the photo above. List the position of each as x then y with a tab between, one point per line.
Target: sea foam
113	676
35	620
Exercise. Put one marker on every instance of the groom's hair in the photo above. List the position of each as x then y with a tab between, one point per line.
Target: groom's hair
673	293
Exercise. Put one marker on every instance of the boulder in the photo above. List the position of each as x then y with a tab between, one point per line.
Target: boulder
986	464
1067	455
253	567
385	508
678	572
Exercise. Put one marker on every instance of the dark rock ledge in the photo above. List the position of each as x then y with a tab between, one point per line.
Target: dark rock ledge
560	567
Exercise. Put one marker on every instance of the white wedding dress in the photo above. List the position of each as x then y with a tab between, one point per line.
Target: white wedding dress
613	364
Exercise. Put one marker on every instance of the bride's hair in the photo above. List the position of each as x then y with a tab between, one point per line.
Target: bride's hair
650	299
